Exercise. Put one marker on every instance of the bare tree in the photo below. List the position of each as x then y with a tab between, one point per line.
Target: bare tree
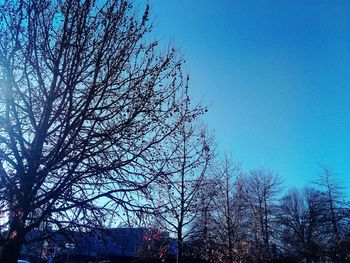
301	224
262	190
335	212
85	102
179	192
228	208
203	238
230	213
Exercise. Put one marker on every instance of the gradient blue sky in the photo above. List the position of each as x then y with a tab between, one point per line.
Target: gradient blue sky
276	75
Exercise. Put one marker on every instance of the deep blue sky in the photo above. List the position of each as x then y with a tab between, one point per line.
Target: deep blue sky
276	75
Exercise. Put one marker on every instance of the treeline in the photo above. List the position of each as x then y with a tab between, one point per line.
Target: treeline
253	219
217	212
235	216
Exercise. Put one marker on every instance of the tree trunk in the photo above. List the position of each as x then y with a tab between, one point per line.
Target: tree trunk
179	252
11	246
9	252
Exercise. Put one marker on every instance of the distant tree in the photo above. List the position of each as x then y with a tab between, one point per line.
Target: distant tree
231	212
189	151
85	103
263	188
301	224
203	238
228	208
335	212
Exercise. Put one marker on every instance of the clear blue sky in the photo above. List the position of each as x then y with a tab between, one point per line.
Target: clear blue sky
276	75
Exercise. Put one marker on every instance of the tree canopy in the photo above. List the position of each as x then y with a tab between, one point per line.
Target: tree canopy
85	103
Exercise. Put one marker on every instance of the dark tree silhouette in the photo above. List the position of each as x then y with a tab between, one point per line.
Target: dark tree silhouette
231	210
203	238
189	151
85	102
335	213
262	190
301	223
